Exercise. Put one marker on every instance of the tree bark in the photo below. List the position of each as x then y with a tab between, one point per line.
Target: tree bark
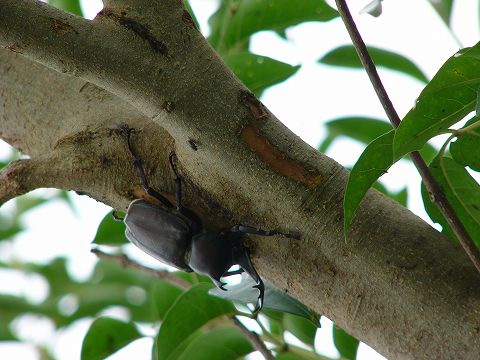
68	83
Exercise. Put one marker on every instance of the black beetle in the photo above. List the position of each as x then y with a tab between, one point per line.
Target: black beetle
174	235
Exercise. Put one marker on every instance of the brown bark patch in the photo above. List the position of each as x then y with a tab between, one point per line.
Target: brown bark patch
258	110
276	159
60	27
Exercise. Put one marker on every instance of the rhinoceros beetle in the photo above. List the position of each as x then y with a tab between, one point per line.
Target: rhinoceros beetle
174	235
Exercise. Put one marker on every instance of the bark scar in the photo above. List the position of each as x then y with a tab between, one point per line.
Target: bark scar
258	110
61	27
139	29
276	159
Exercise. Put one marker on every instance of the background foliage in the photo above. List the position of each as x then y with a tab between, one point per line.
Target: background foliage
195	322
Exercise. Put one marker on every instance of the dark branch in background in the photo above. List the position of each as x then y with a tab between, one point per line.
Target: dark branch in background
437	196
254	339
126	262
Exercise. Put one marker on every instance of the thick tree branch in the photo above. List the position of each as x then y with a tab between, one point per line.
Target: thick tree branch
417	288
436	193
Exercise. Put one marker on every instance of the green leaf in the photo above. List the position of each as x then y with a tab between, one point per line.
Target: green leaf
274	299
443	8
163	296
358	128
347	56
303	329
345	343
447	99
375	160
462	191
72	6
110	232
105	336
225	343
258	72
193	309
466	150
235	21
364	130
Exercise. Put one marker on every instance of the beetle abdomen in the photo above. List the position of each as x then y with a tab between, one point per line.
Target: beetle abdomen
159	233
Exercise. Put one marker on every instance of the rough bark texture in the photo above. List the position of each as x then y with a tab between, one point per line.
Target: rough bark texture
67	83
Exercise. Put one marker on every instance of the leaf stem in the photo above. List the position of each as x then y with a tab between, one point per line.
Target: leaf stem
435	192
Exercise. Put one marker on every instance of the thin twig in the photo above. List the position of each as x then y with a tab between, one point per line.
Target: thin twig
436	193
254	339
126	262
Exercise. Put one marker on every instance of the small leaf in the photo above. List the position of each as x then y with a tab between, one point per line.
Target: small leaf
71	6
345	343
375	160
462	191
466	150
225	343
373	8
347	56
106	336
446	99
193	309
274	299
235	21
110	232
258	72
303	329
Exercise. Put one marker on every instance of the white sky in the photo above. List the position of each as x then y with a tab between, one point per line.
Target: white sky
316	94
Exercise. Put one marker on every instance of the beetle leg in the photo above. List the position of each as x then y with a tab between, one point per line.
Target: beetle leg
220	284
141	174
242	258
233	272
245	229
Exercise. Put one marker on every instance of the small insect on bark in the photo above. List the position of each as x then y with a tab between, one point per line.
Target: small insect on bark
174	234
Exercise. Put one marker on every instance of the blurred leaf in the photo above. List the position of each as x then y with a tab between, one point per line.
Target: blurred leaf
435	215
275	321
10	231
375	160
193	309
28	202
443	8
462	191
292	356
401	197
163	297
11	307
105	336
364	130
303	329
258	72
72	6
274	299
235	21
446	99
110	232
345	343
347	56
466	149
225	343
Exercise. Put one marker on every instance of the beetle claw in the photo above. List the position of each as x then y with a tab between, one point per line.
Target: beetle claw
261	292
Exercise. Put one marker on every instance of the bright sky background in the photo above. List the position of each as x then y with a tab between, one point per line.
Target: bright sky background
316	94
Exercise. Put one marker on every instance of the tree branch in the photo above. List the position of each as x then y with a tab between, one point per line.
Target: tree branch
436	193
